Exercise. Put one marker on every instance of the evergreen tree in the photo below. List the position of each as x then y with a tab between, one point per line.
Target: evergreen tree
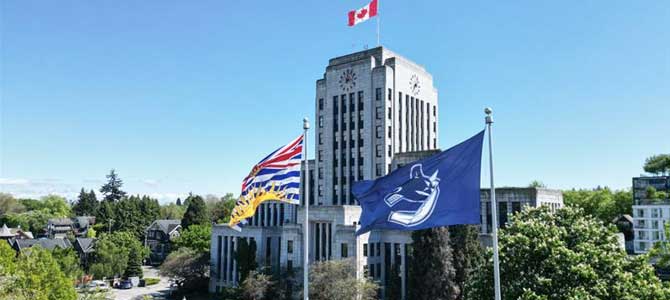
178	201
112	189
196	213
431	270
134	265
467	253
394	284
246	257
105	213
86	205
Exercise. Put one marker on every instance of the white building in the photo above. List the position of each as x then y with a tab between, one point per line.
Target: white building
375	111
648	223
649	215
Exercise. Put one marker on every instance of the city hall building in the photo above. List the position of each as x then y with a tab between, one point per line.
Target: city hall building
374	111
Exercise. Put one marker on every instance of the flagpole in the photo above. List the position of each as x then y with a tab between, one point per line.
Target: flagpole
379	16
494	213
305	224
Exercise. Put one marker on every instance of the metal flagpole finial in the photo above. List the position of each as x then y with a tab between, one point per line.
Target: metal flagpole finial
305	123
488	111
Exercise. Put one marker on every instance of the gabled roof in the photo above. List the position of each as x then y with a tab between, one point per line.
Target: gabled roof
167	226
628	218
4	232
49	244
85	245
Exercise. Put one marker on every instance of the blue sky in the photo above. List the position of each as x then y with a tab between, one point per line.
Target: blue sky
183	96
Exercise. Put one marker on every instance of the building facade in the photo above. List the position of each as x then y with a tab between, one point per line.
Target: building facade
157	239
375	111
649	215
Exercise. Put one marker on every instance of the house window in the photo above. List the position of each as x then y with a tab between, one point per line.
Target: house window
379	169
365	249
320	121
389	113
345	250
390	93
289	265
379	113
378	94
289	246
380	132
320	103
320	155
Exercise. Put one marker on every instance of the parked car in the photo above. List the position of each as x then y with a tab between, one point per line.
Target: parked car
98	284
124	285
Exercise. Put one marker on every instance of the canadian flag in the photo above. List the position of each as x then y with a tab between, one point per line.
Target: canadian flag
363	13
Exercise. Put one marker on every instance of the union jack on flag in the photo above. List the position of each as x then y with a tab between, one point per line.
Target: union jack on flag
275	178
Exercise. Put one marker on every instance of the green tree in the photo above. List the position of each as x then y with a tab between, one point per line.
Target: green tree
112	253
8	204
537	184
564	255
467	253
106	213
221	209
86	204
172	212
257	286
601	203
134	268
336	280
112	189
90	232
68	261
55	205
196	213
431	270
245	255
36	213
394	287
187	268
658	164
33	275
196	237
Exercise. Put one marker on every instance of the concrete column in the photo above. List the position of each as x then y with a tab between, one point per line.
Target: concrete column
403	271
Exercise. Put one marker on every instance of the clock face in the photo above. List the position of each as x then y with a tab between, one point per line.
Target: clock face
414	85
348	80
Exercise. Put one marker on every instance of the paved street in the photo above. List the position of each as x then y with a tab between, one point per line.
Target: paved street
156	290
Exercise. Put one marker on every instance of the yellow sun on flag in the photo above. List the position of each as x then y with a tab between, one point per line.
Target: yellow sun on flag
246	206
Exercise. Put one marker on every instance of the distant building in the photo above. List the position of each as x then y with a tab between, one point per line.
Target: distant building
624	224
85	248
158	237
375	111
641	184
49	244
649	215
14	233
77	226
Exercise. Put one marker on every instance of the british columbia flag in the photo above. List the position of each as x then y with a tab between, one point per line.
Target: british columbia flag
275	178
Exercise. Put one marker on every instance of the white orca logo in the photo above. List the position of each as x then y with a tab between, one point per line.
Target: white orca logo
419	189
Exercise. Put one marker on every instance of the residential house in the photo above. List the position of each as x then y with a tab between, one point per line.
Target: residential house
85	248
50	244
158	237
7	233
77	226
59	227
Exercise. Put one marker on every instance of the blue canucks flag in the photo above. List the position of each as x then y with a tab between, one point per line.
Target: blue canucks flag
436	191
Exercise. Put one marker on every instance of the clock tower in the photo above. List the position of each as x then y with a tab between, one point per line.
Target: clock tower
370	105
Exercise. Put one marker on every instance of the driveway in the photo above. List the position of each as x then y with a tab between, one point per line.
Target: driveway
156	290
